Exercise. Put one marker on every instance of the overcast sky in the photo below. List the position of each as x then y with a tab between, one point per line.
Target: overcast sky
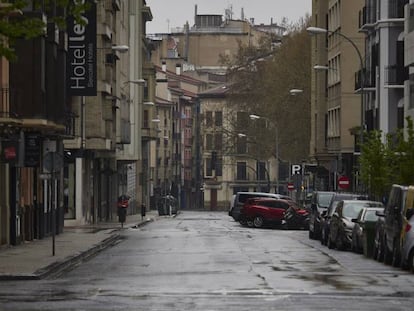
169	14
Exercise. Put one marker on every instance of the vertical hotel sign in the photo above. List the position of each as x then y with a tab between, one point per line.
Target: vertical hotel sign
81	60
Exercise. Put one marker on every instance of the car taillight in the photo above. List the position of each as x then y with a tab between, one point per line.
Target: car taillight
407	227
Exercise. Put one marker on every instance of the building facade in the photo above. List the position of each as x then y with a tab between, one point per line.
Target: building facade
336	100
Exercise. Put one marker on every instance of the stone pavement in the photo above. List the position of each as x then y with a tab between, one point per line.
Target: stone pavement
35	260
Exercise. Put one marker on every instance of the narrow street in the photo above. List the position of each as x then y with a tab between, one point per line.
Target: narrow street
206	261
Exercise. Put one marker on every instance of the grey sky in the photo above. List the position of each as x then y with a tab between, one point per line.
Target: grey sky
169	14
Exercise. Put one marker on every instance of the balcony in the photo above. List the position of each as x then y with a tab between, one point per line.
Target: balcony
369	80
367	17
395	75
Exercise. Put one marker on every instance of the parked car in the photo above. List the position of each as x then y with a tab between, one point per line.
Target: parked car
326	215
407	252
296	218
341	225
319	203
264	211
393	225
241	198
364	230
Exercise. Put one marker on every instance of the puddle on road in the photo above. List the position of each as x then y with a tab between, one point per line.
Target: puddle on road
328	279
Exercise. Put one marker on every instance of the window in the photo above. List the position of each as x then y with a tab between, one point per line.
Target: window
242	119
209	118
411	104
241	171
219	167
411	18
218	120
218	141
261	170
209	141
145	119
207	165
241	146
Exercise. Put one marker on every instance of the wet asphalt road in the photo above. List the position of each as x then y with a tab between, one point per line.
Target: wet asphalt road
206	261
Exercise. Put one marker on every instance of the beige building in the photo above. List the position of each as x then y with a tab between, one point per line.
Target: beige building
336	97
107	156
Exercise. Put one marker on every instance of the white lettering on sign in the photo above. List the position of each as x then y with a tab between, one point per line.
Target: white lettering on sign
296	169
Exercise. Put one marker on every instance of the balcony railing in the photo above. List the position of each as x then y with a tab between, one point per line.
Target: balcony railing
396	75
369	79
367	16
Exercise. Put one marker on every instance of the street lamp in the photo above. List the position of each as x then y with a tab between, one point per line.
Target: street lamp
120	48
321	67
257	117
318	30
295	91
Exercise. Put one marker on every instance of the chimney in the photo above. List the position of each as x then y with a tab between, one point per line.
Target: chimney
164	66
177	69
242	14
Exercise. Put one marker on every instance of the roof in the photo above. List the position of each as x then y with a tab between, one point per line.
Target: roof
219	91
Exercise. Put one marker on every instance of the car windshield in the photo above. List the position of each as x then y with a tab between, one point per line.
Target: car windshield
324	199
352	209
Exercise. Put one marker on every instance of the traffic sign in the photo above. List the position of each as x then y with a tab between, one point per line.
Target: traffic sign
290	186
343	182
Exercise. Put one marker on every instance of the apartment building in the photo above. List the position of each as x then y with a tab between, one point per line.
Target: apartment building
336	100
383	24
109	154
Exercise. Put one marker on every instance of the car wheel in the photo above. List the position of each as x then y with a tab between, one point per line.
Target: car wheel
311	235
339	242
250	223
380	254
396	255
387	254
329	242
323	237
258	221
410	263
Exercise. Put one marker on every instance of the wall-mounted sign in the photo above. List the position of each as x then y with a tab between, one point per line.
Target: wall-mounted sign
81	60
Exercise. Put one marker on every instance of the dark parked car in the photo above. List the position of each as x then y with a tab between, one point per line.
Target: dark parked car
326	215
393	225
363	232
264	211
241	197
319	203
341	225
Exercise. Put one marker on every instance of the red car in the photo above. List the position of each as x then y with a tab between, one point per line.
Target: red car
260	211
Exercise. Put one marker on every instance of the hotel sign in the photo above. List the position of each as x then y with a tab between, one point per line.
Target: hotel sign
81	60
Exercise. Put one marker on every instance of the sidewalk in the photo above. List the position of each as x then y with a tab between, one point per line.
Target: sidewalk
34	260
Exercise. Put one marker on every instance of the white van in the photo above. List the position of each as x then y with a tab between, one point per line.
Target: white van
240	197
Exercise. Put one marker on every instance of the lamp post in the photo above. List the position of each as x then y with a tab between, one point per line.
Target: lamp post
316	31
257	117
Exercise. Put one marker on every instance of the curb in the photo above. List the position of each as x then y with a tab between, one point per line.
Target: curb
58	267
65	264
